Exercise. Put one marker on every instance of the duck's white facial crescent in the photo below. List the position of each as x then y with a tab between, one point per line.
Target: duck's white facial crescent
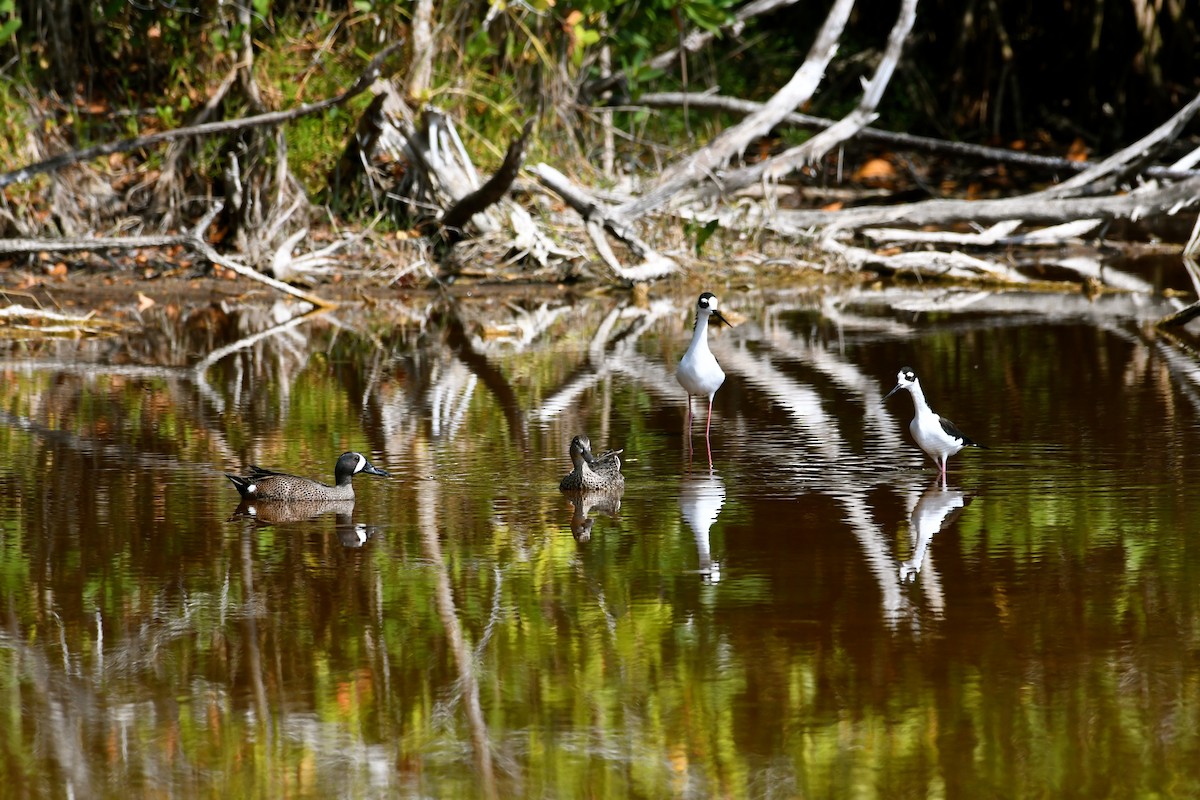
362	462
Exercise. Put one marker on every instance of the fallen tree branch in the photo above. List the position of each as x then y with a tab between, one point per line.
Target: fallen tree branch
929	263
815	148
374	70
1001	234
193	240
1144	202
733	142
598	217
496	187
927	144
1109	174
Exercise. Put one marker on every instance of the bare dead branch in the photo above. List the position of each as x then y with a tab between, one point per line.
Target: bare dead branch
193	240
815	148
374	69
1109	174
734	141
716	102
597	215
1149	201
496	187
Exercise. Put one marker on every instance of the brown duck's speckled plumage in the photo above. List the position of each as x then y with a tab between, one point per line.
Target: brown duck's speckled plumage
265	484
592	472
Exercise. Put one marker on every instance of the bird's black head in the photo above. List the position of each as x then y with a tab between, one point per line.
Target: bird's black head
708	304
905	379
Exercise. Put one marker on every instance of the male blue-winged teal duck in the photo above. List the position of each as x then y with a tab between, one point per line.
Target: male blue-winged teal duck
592	472
265	484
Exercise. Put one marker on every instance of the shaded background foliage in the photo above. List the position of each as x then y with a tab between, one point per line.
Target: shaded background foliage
1100	72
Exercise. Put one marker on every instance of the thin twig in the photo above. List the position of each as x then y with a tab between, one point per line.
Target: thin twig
373	71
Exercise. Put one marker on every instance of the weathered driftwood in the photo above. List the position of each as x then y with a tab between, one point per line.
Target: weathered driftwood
777	167
441	186
41	321
688	171
193	240
903	141
598	217
1151	200
1109	174
1002	234
928	263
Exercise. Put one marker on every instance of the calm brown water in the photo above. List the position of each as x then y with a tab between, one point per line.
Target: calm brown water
811	617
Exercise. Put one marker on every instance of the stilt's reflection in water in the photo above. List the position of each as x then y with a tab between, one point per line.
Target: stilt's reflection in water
937	508
585	504
700	500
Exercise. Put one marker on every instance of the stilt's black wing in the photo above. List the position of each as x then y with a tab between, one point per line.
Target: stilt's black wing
951	429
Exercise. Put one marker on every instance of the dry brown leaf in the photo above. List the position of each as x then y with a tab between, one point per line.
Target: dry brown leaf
144	302
876	169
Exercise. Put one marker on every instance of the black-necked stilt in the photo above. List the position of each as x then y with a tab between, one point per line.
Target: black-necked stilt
699	373
937	436
592	472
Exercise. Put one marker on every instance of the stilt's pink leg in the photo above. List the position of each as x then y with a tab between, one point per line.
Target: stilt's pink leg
708	425
689	422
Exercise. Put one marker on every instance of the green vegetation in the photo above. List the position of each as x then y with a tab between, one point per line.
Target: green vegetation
116	69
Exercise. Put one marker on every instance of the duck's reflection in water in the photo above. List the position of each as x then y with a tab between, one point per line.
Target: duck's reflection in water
586	504
700	500
268	512
936	509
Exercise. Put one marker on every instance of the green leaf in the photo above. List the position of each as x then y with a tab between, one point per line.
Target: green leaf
8	29
702	233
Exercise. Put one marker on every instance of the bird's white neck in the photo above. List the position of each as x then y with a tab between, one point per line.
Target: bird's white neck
918	397
700	333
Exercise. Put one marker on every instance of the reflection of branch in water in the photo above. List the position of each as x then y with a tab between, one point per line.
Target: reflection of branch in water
622	358
877	551
427	504
1041	306
525	328
804	405
65	706
102	450
453	385
493	378
253	654
200	368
